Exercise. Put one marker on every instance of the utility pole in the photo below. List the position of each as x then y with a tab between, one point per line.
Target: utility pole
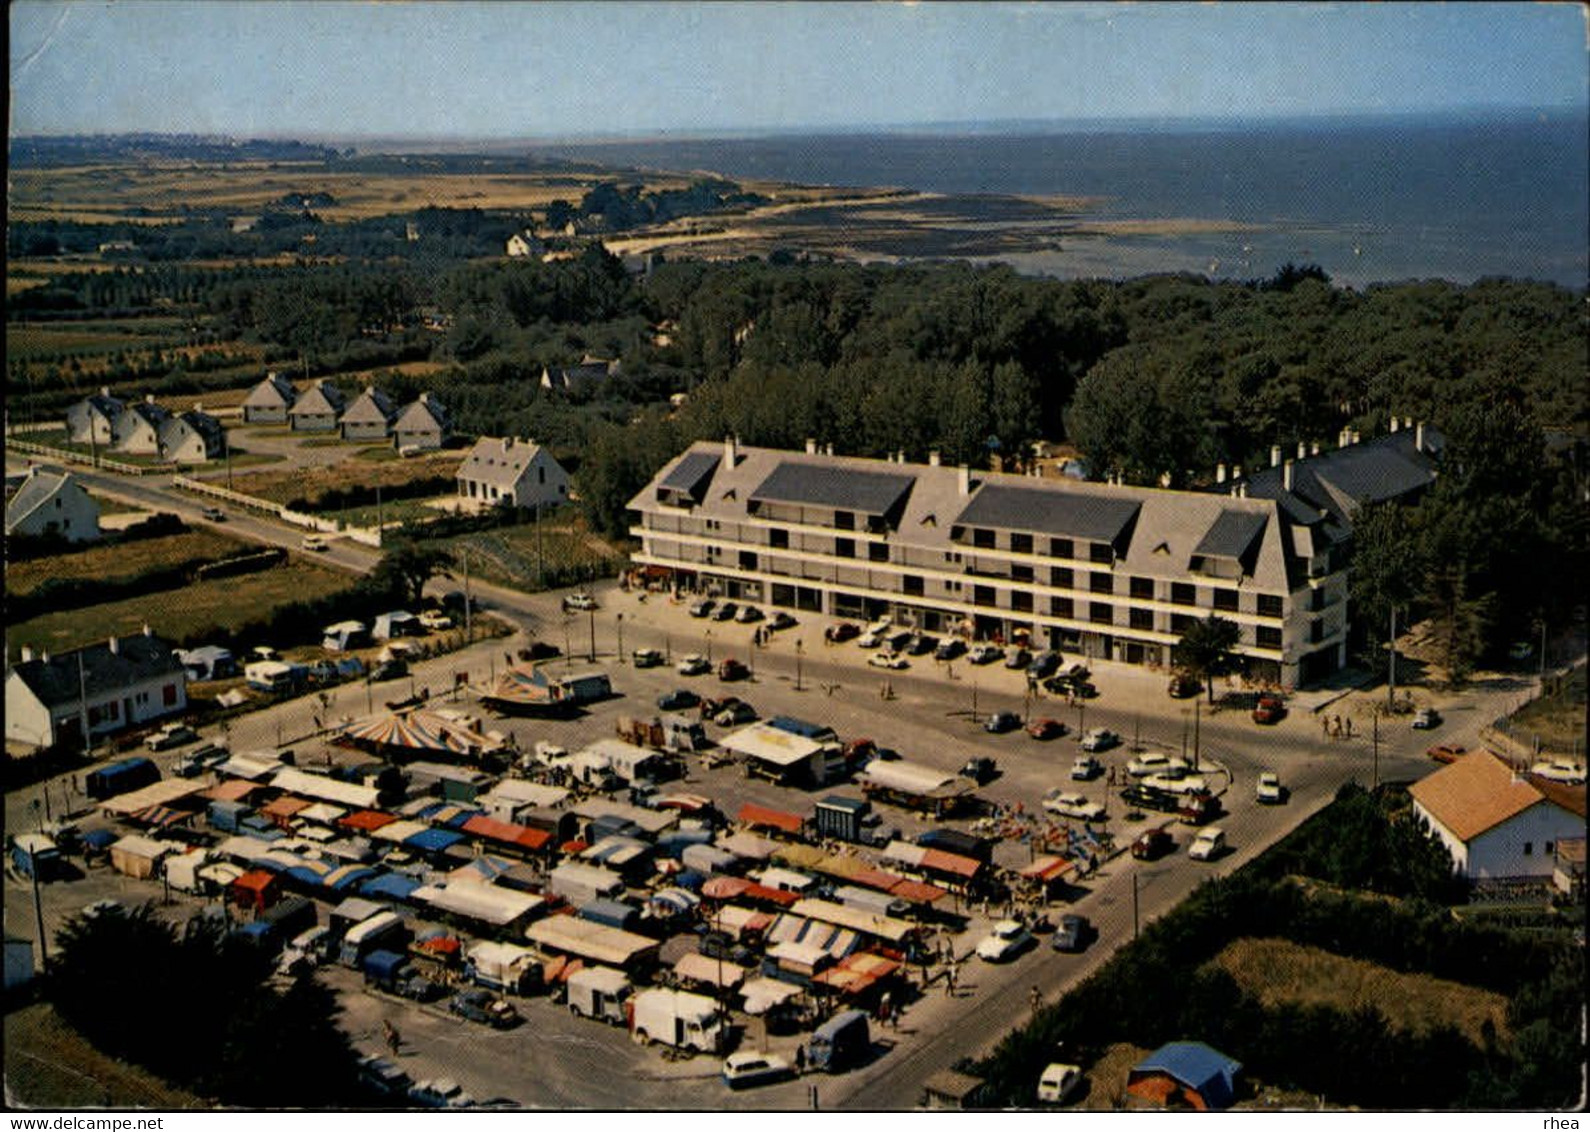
1375	747
82	706
38	910
1391	661
1198	706
226	446
380	527
1134	905
469	625
619	618
800	651
541	562
593	634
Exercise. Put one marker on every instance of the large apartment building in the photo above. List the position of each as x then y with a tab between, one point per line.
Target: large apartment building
1101	570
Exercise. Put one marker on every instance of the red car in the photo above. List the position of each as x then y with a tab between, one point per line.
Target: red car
1046	729
842	632
1446	753
1269	709
1153	844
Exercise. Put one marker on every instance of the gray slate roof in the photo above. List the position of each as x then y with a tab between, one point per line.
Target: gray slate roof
370	407
690	474
1045	511
137	658
39	488
272	391
497	460
1374	471
421	415
319	400
870	493
1232	534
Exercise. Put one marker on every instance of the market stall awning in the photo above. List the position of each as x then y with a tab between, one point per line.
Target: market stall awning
1047	869
699	968
761	817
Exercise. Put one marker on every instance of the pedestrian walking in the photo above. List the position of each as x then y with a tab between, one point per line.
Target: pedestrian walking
1349	725
1325	726
1036	998
393	1038
800	1060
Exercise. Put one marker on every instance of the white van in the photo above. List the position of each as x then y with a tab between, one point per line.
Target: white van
1208	844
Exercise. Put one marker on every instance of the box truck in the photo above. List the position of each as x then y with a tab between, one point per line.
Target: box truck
676	1018
598	992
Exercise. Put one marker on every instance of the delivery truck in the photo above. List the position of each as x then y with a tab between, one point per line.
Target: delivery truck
385	930
676	1018
839	1043
598	992
120	778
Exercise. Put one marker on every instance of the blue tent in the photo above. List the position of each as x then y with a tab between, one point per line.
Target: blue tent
1197	1067
674	844
345	877
100	840
433	840
690	880
390	886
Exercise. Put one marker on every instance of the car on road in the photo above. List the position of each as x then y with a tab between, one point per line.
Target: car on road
1044	664
693	665
780	620
871	639
921	645
1559	770
1175	783
985	654
1074	934
747	1068
1184	685
646	658
1085	768
199	760
1002	721
1152	844
1425	719
1100	739
1017	658
840	633
1006	940
734	714
888	660
1153	762
479	1005
731	669
316	543
171	735
1446	752
1149	798
214	514
1057	1082
435	620
725	612
703	608
748	614
1207	844
443	1092
579	603
980	770
1046	729
1269	709
1069	804
949	648
1268	790
384	1077
680	699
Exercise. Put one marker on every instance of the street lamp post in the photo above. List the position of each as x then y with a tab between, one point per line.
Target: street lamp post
568	648
619	618
800	651
593	634
1197	718
709	646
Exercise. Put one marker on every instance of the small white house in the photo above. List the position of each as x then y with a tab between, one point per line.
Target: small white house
93	419
422	424
318	409
590	372
522	245
192	438
137	430
269	401
116	684
1496	822
51	502
369	417
518	473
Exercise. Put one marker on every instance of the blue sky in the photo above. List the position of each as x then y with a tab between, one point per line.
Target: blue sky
521	70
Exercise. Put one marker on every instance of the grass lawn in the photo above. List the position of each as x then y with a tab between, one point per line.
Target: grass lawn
1558	719
404	510
109	506
120	560
283	486
510	555
50	1066
57	439
226	602
1279	971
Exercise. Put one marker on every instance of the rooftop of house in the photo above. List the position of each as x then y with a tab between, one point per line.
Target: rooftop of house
107	666
1197	1066
40	486
1479	791
498	460
320	399
370	406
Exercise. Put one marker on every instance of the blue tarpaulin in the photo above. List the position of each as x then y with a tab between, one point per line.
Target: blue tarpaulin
433	840
100	839
390	886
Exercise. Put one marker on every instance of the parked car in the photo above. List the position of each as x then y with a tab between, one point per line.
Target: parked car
780	620
1068	804
1148	798
1269	791
1152	844
985	654
214	514
703	608
1044	664
1207	844
1426	718
1184	685
1559	770
171	735
1001	722
1074	934
747	1068
731	715
840	633
199	760
435	620
579	603
1046	729
731	669
1153	762
680	699
1017	658
384	1077
949	648
1446	752
748	614
871	639
724	612
1100	739
315	543
921	644
891	660
479	1005
1175	781
1058	1082
1006	940
980	770
443	1092
1269	709
693	665
1085	768
646	658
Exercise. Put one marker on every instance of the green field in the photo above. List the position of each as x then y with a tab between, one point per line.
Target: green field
120	560
512	556
228	603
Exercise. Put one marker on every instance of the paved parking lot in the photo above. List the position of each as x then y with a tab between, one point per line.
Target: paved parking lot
556	1061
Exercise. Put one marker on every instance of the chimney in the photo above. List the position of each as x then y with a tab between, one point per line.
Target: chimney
730	450
1357	436
828	449
425	397
104	391
1407	423
198	406
1302	450
148	632
1394	424
1220	473
933	458
1275	455
1418	437
114	645
964	479
811	446
149	398
1286	475
1341	439
1313	449
1236	471
27	654
44	655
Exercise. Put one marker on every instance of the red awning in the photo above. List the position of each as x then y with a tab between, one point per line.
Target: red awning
1047	869
917	892
232	790
256	880
366	821
571	847
875	878
441	945
507	833
771	895
952	863
285	806
753	815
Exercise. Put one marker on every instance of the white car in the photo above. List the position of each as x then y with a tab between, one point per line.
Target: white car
1268	791
888	660
1208	844
693	665
647	658
1152	762
1058	1082
871	639
1099	739
747	614
1175	783
1070	805
985	654
1559	770
435	619
316	543
747	1067
581	602
1086	768
1007	940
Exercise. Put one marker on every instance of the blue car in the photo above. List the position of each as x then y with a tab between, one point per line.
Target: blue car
680	699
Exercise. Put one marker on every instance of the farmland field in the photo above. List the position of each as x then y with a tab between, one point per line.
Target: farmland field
284	486
120	560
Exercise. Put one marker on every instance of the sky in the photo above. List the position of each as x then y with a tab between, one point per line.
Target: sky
326	69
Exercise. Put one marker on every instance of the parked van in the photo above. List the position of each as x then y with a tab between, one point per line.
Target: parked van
676	1018
1208	844
840	1042
598	992
383	930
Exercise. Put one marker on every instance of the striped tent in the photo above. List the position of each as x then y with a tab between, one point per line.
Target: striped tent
418	731
521	687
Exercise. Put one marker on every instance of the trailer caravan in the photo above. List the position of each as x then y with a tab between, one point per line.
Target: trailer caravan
504	967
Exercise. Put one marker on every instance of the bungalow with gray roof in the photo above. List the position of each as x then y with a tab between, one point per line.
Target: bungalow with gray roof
51	503
269	401
194	437
590	372
114	684
318	408
93	419
517	473
369	417
422	424
137	430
